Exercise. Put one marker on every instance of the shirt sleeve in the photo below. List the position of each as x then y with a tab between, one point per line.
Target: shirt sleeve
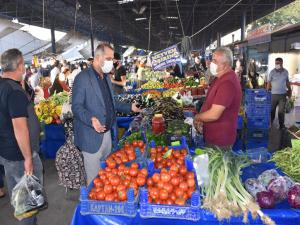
17	104
269	77
123	71
225	94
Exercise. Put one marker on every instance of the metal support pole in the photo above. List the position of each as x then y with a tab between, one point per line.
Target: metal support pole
243	25
53	38
218	39
92	36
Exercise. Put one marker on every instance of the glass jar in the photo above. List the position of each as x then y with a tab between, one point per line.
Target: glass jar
158	124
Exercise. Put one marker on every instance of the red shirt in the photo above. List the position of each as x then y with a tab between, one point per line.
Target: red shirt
225	91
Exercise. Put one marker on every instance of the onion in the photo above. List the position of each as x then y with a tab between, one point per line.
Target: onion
279	187
265	199
294	196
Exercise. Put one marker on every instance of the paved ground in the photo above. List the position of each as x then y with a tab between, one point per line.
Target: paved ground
61	205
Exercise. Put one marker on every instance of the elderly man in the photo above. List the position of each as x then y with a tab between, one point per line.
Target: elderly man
94	110
220	110
19	126
278	83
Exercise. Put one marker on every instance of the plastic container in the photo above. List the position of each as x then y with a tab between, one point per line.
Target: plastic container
189	212
124	122
158	124
258	134
240	122
258	122
128	208
257	155
250	144
258	109
257	96
54	132
50	147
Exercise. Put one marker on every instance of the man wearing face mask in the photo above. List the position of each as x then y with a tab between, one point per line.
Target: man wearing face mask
197	69
94	110
278	83
220	110
119	79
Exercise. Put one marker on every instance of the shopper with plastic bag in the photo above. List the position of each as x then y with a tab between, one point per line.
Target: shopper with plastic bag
19	133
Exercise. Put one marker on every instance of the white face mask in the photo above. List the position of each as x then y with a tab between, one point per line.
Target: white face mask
213	68
277	67
107	67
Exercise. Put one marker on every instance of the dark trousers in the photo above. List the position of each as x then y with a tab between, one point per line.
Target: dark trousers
1	176
280	101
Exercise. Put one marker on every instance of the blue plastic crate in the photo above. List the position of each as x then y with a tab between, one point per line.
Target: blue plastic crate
128	208
261	134
49	148
124	122
54	132
189	212
258	109
257	96
238	145
240	122
258	122
251	144
256	155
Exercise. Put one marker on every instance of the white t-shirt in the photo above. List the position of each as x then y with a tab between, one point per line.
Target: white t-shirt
53	74
34	80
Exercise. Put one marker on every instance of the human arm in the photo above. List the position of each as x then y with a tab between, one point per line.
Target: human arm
269	79
120	83
211	115
126	108
288	85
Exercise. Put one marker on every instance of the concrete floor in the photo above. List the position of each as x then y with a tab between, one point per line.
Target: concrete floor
60	205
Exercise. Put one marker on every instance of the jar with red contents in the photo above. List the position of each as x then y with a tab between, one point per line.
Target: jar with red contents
158	124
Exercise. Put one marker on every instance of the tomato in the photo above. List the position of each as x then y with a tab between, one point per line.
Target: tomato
160	184
153	151
121	167
180	162
126	182
156	177
96	180
191	182
108	189
165	177
101	173
173	197
154	193
159	158
121	187
111	164
189	175
133	172
184	186
180	201
134	165
169	202
183	152
92	195
140	144
133	186
98	183
122	195
159	149
135	144
100	196
190	192
175	181
110	197
179	192
141	181
182	170
131	157
185	196
98	189
126	145
168	187
150	182
144	171
150	200
126	170
174	168
176	154
172	173
115	171
107	169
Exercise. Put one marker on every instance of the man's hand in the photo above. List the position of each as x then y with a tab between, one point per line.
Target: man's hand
28	166
135	109
198	124
97	125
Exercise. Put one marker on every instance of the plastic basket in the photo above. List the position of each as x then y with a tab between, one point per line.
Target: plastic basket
257	155
54	132
257	96
258	109
262	134
258	122
49	148
128	208
251	144
189	212
124	122
240	122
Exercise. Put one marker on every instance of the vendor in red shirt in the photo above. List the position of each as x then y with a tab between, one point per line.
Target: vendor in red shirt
220	110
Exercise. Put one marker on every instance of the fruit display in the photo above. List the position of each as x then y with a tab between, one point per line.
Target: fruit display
170	92
173	82
163	157
152	85
173	187
126	154
112	183
50	110
153	94
191	82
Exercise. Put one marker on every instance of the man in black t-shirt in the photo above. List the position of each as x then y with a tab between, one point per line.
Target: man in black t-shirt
119	80
16	153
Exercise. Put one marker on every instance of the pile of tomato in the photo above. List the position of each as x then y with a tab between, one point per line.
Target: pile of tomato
113	183
173	187
163	157
125	154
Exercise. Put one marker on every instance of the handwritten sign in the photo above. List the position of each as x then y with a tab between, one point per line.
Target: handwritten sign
165	58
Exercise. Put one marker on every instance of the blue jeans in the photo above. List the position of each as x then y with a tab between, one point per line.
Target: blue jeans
1	176
14	171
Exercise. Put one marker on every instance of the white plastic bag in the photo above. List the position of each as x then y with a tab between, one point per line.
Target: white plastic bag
201	167
28	195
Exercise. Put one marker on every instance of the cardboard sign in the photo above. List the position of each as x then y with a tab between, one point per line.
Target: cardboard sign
165	58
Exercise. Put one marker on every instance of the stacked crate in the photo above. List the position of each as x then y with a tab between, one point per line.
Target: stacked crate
258	112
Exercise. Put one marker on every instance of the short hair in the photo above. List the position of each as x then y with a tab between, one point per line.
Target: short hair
227	55
117	56
10	59
279	60
101	48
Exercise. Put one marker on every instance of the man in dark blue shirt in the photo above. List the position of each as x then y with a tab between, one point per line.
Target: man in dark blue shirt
95	110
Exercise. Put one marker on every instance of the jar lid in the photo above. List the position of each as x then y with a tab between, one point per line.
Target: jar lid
158	115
